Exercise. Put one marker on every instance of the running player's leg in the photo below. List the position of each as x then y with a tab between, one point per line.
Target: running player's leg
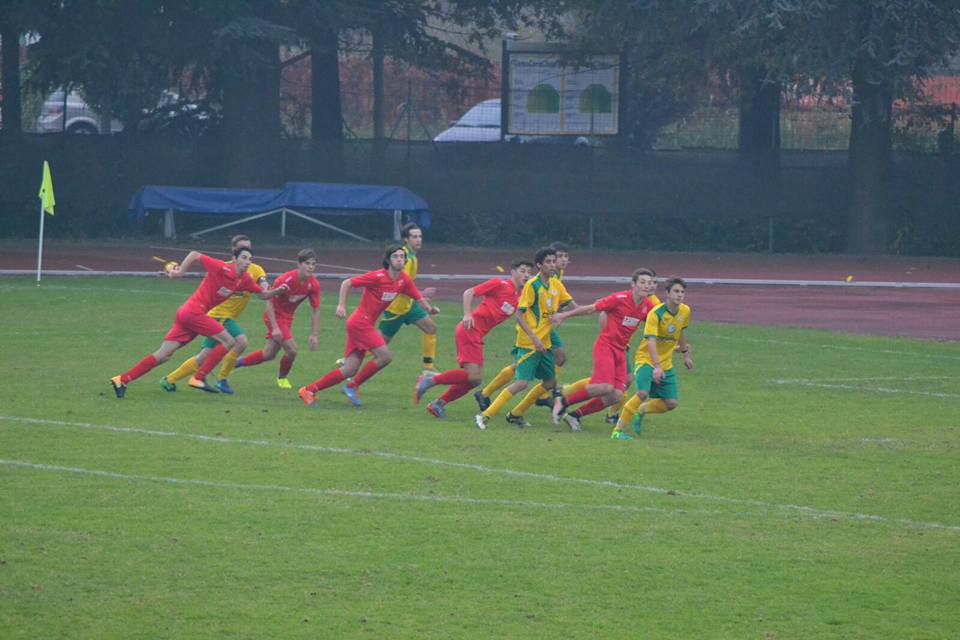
429	329
240	345
161	355
225	342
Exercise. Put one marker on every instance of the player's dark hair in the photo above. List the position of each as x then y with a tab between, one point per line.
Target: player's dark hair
306	254
392	249
643	271
669	284
239	250
407	228
542	254
238	238
516	264
560	247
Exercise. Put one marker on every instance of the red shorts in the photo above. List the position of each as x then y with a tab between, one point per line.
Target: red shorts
284	323
188	323
362	337
469	346
609	365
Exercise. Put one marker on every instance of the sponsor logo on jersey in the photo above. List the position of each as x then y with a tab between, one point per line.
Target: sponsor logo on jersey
630	321
387	296
507	308
223	292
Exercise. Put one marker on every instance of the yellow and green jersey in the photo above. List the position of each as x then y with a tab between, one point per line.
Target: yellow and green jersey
538	301
403	302
666	328
233	306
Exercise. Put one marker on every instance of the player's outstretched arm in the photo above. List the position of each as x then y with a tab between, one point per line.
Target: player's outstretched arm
428	306
177	272
342	298
557	318
266	294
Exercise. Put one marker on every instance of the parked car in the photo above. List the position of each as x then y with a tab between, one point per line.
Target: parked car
481	123
80	117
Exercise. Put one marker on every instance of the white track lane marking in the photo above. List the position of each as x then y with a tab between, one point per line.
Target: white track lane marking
342	493
869	389
794	343
262	257
792	508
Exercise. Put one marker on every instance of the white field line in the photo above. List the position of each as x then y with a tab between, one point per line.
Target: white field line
867	388
80	266
340	493
811	512
797	343
798	380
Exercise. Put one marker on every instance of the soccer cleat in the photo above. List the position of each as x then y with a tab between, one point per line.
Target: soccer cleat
352	393
544	402
284	383
573	421
481	421
201	384
118	387
520	421
559	407
637	423
338	362
166	385
225	387
308	397
612	418
424	382
482	401
620	435
436	410
239	363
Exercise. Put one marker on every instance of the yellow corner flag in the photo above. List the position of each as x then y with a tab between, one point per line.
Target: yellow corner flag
46	190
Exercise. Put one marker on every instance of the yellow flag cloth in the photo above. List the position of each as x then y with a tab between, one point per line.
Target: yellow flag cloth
46	190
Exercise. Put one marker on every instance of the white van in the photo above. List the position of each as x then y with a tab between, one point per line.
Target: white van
482	124
80	118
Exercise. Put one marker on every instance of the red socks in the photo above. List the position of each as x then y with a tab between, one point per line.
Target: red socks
328	380
252	359
139	369
285	364
454	392
366	372
453	376
577	396
213	359
593	406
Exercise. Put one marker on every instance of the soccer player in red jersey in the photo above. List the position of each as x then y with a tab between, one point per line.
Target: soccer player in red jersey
278	317
626	311
500	296
221	281
380	288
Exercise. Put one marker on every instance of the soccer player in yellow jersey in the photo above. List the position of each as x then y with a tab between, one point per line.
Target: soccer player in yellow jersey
657	389
402	311
226	314
541	297
506	374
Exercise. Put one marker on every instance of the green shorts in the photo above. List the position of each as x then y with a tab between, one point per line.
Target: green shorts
532	364
555	340
232	328
666	389
391	323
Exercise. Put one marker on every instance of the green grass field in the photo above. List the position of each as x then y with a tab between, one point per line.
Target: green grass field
807	487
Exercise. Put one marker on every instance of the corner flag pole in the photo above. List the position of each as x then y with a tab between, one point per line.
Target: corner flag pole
47	202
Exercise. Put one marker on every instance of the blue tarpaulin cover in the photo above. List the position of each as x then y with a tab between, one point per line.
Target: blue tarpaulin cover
336	199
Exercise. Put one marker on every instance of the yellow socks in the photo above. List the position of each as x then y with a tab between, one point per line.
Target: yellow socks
498	403
567	389
229	364
655	406
626	414
529	399
429	350
499	380
188	368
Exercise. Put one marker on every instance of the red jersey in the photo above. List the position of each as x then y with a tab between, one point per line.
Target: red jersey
219	284
287	302
379	291
500	297
624	317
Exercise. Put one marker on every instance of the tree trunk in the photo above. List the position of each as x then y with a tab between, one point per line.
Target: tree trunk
869	164
11	103
378	128
326	122
759	136
251	116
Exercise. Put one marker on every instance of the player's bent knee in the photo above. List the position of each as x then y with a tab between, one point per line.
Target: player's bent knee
671	404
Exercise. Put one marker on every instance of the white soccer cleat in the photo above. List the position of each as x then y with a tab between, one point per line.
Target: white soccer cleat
481	421
573	421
